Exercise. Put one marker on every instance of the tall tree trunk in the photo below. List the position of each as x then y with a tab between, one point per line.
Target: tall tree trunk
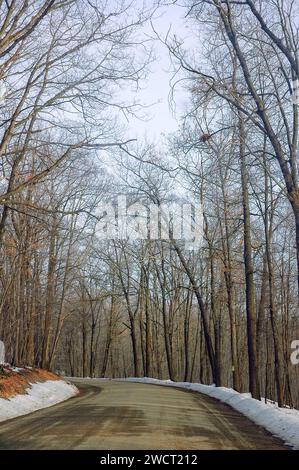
148	327
162	282
205	323
278	357
50	298
249	279
229	290
188	310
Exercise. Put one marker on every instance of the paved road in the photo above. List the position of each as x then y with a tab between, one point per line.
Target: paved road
114	415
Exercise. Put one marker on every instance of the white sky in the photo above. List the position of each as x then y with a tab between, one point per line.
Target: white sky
161	119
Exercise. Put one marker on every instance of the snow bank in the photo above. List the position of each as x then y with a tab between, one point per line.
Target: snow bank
281	422
39	395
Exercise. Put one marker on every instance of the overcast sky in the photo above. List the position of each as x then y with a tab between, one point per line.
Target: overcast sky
156	90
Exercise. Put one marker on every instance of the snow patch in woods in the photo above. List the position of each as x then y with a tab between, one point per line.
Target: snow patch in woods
281	422
39	395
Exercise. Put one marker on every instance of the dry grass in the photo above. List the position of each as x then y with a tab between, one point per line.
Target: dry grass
15	382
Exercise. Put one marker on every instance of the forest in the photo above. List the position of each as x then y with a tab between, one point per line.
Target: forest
72	302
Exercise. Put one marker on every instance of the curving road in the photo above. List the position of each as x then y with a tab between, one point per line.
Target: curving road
113	415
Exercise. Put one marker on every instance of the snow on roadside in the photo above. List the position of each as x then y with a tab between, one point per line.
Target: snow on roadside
281	422
39	395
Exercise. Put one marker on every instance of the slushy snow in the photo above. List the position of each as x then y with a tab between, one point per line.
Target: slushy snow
39	395
281	422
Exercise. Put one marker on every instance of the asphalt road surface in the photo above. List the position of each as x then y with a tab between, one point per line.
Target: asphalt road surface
113	415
